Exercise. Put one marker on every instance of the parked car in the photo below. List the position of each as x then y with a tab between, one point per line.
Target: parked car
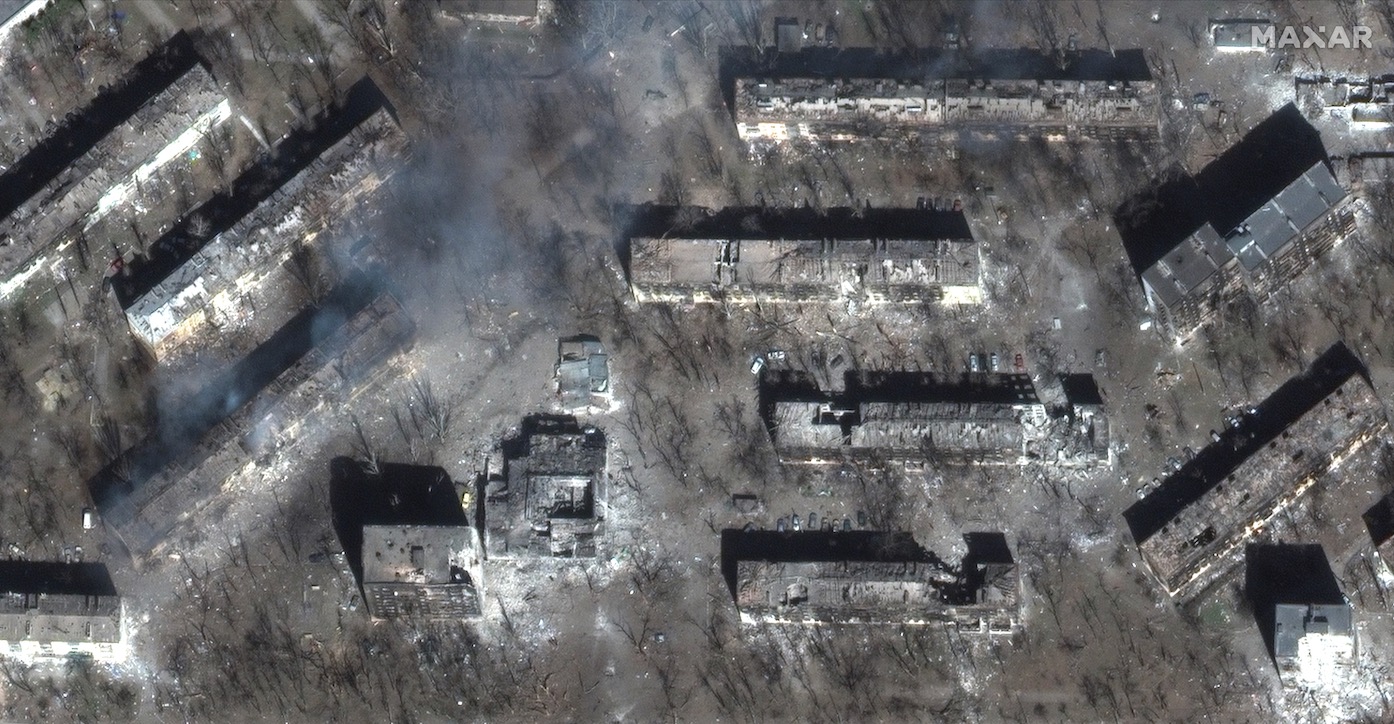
993	362
974	364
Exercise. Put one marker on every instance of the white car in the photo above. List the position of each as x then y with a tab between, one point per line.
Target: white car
757	364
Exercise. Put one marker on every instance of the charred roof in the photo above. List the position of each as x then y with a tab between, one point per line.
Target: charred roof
1289	403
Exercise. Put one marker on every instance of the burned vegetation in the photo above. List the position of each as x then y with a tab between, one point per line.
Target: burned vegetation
533	360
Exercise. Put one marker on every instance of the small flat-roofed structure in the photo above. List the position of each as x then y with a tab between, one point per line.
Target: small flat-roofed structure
47	205
1192	529
248	280
788	35
879	256
60	610
1240	35
583	374
869	577
861	93
550	500
1355	103
421	571
493	11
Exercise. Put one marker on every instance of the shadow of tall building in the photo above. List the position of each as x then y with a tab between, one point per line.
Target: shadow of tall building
1293	591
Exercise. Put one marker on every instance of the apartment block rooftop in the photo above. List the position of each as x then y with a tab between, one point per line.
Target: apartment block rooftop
255	266
914	416
159	486
51	197
1192	529
743	255
59	610
869	577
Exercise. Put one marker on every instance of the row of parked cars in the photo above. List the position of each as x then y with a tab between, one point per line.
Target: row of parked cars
991	362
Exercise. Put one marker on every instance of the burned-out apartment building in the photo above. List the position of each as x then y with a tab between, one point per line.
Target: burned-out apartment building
870	577
52	610
109	176
1193	527
858	256
234	291
862	93
156	489
1263	214
549	498
410	543
914	417
1356	103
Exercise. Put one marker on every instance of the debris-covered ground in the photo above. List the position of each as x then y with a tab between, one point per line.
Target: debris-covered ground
531	142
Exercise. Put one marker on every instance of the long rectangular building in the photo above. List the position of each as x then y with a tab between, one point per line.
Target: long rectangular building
887	256
245	281
51	610
131	159
860	577
981	418
1193	528
145	506
859	95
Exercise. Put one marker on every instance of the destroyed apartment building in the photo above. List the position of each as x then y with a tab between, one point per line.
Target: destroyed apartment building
1263	223
1192	528
408	540
583	374
51	610
158	488
549	499
914	417
867	577
860	93
57	199
247	281
755	255
1357	103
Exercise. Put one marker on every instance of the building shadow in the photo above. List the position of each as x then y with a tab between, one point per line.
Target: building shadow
1379	520
398	494
1270	157
1216	461
52	577
1286	573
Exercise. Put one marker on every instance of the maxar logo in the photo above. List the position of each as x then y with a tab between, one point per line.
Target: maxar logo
1306	36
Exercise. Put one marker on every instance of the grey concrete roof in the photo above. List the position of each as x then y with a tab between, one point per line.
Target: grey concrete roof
1189	267
1266	231
423	554
1292	621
